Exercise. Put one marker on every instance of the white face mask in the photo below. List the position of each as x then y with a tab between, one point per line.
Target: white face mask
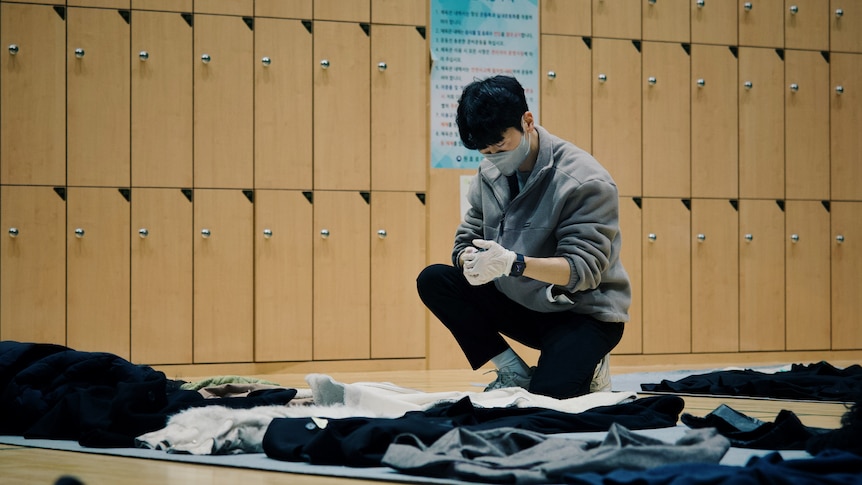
508	162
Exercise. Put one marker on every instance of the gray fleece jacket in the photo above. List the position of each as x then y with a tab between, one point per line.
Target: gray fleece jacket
569	207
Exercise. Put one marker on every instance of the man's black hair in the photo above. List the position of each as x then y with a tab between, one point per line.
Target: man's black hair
488	108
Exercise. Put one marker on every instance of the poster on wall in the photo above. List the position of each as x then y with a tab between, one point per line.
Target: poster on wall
475	40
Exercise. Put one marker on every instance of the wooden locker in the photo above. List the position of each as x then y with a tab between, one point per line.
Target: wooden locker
223	102
283	104
341	276
33	259
399	117
162	100
666	276
342	110
667	21
115	4
845	117
714	122
617	112
761	276
806	24
714	276
283	260
845	26
666	120
223	276
225	7
406	12
806	125
566	89
97	95
620	19
566	17
846	268
163	5
761	23
761	123
807	275
397	240
33	99
343	10
161	276
294	9
630	228
714	22
97	270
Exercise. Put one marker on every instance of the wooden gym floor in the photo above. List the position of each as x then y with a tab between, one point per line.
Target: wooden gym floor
20	465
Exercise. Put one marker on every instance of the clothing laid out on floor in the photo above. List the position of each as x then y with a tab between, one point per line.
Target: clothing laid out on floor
820	382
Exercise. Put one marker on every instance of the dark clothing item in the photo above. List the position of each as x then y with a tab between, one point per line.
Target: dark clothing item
786	433
570	344
831	467
95	398
821	381
361	442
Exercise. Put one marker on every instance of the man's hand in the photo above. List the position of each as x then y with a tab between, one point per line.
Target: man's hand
487	263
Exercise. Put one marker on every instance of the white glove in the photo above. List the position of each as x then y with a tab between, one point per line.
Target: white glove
488	263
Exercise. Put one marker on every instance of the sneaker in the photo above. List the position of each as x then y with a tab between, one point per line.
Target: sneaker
506	378
602	376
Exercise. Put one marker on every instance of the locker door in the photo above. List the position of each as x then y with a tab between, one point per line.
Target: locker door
806	246
297	9
566	94
761	276
33	87
619	19
630	227
666	121
225	7
408	12
397	256
846	268
341	276
282	129
668	21
223	277
666	277
98	98
99	3
761	23
163	5
33	260
399	83
714	276
223	104
845	27
806	24
344	10
846	113
806	139
616	112
761	124
714	22
97	271
161	243
714	122
283	276
342	110
161	100
566	17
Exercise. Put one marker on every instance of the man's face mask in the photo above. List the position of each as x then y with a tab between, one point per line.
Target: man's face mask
508	162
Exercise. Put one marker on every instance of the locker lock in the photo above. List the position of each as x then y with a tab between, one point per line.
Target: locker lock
749	237
701	3
324	233
794	10
839	238
79	53
794	87
13	232
652	2
839	89
652	80
324	64
79	233
144	55
748	84
381	66
13	49
267	233
839	13
143	232
381	233
266	61
747	6
603	78
794	238
652	237
701	238
701	83
205	233
552	75
206	58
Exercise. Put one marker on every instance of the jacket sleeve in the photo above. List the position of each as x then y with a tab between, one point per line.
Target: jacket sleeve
471	227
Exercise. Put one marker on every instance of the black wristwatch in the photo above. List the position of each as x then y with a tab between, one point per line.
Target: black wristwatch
518	266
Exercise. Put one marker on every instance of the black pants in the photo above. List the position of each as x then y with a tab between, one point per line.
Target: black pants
570	344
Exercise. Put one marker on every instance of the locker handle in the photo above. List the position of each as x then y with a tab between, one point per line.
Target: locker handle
839	238
701	237
324	233
603	78
701	3
748	84
144	55
794	10
652	237
267	233
747	6
552	75
324	63
381	233
652	80
839	89
794	87
794	238
749	237
79	53
381	66
13	49
79	233
205	233
143	232
652	2
13	232
206	58
839	13
266	61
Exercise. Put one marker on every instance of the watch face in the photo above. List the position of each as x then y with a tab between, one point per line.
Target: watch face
518	268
